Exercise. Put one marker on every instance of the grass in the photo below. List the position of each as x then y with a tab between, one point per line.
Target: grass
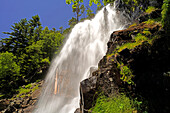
116	104
22	92
138	41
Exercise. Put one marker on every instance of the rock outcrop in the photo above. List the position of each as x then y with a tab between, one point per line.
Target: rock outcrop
148	61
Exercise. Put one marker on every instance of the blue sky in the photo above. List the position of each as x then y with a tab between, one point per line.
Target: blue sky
53	13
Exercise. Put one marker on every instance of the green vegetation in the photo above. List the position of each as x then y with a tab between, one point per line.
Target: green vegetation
26	54
150	22
150	9
23	91
139	39
9	73
166	15
134	24
126	73
116	104
146	32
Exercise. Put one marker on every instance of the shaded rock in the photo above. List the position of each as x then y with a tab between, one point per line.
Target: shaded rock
152	15
29	109
3	104
87	89
77	110
36	94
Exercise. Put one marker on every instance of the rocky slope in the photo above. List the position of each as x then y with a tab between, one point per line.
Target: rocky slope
24	101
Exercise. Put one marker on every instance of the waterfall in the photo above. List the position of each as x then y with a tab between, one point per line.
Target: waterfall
86	45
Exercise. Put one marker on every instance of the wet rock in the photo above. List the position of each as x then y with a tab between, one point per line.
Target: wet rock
29	109
87	89
26	101
77	110
36	94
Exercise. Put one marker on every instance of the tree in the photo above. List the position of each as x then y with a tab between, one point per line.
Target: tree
90	13
97	2
72	22
61	30
39	54
32	46
78	9
9	73
52	42
23	34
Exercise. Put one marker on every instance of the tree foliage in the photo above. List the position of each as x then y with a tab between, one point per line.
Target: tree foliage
9	73
97	2
27	52
90	13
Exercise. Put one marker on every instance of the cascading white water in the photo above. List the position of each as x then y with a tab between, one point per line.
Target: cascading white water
86	45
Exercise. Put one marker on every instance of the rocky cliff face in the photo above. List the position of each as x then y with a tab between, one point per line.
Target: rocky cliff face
136	63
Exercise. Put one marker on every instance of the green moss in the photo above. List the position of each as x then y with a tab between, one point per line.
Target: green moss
138	41
134	24
153	21
150	9
150	22
36	87
1	95
116	104
140	38
146	32
28	86
127	45
23	91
